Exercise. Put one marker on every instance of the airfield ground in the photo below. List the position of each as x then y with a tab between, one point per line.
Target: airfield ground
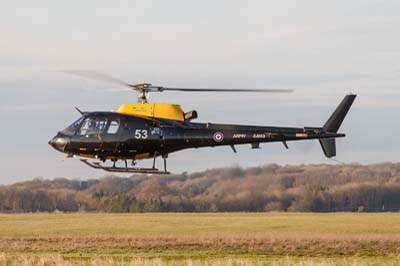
200	239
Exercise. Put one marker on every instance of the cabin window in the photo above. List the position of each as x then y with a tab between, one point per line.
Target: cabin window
113	128
93	126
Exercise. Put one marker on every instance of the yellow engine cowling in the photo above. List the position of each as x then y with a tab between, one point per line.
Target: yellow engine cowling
153	110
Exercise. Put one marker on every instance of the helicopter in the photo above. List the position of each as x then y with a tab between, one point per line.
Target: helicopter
145	130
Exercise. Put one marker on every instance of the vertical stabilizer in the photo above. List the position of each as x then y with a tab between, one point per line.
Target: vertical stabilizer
328	147
336	119
333	124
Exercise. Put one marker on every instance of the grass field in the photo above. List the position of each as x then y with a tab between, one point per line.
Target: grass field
200	239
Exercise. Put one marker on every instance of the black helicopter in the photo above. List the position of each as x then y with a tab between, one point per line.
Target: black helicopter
146	130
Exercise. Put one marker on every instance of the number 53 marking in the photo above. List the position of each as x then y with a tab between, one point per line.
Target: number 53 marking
141	134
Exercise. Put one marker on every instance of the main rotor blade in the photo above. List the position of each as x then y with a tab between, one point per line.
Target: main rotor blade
147	87
225	90
96	76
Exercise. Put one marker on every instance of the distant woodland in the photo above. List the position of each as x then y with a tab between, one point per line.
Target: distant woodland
304	188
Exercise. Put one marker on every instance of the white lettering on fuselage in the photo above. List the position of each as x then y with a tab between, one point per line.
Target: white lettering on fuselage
239	136
141	134
155	131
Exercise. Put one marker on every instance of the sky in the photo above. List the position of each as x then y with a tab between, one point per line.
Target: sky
321	49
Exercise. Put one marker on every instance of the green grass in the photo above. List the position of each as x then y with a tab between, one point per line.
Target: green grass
368	239
45	225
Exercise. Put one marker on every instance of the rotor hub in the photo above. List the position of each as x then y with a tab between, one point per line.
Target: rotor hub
143	90
142	86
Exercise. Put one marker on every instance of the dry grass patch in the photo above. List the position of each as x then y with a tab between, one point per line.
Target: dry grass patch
200	237
50	260
209	245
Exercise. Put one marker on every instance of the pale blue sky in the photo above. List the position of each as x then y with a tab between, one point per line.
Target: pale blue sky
322	49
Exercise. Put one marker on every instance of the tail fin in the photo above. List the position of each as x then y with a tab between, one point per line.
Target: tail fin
333	125
328	147
336	119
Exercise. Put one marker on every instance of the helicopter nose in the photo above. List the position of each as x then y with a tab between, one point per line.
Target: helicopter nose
58	143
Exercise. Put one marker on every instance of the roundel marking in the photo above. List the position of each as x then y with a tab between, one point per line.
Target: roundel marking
218	136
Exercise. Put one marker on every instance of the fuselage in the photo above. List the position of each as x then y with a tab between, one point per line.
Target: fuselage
115	136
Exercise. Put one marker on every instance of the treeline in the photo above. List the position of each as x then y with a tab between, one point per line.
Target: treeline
316	188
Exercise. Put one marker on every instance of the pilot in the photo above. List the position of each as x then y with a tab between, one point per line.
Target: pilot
91	127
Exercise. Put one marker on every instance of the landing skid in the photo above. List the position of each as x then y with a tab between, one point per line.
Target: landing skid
97	165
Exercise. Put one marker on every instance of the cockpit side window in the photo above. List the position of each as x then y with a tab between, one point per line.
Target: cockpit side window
113	127
93	126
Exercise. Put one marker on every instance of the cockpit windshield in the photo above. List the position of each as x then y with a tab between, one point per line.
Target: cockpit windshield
71	130
93	125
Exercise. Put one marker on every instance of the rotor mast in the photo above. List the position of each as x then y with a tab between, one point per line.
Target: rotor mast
142	90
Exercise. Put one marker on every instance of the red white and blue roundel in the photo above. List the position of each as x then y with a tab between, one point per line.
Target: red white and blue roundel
218	137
